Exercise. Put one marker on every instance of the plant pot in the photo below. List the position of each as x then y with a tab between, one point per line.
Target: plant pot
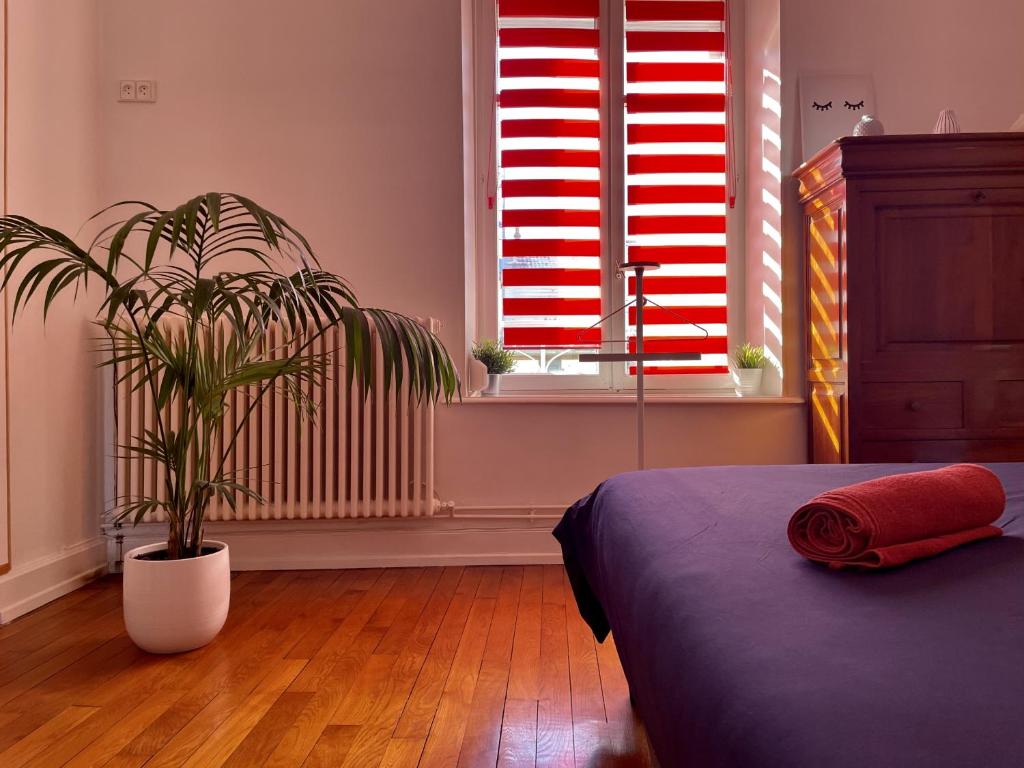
493	385
747	381
172	606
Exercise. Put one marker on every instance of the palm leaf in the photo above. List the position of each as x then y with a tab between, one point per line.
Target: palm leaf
181	319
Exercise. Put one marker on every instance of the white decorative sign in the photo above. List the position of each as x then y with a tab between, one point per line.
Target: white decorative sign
831	105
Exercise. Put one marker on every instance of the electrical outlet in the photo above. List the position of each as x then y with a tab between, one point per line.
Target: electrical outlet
126	91
145	90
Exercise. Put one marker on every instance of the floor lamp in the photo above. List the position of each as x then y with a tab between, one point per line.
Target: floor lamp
637	268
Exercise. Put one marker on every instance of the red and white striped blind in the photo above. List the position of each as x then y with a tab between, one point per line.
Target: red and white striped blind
549	173
675	116
549	165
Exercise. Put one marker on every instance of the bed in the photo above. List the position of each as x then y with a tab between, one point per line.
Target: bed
740	654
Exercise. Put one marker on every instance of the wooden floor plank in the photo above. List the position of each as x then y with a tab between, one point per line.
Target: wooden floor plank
368	747
584	673
372	685
216	750
377	717
300	739
332	747
518	748
401	628
268	732
554	711
229	687
40	620
315	673
524	680
370	668
392	605
321	613
107	731
218	676
449	725
105	628
615	689
51	629
155	737
402	753
30	710
50	732
422	704
119	717
483	725
624	735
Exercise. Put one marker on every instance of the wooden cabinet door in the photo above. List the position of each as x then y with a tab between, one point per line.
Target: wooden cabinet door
824	238
828	423
940	329
825	292
944	271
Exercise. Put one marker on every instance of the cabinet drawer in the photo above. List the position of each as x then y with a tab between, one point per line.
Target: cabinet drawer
912	405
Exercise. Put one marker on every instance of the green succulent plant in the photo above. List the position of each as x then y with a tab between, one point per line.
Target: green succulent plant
494	356
750	356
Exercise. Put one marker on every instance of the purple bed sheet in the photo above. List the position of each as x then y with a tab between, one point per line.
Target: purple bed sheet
741	654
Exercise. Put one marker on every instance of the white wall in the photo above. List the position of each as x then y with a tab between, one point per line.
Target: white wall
54	162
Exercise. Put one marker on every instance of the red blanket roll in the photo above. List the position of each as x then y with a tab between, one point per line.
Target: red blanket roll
892	520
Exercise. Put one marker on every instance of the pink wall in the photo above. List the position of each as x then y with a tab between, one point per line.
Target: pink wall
347	119
53	171
773	306
925	56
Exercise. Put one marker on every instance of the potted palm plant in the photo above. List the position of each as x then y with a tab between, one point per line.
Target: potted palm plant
498	361
187	298
749	362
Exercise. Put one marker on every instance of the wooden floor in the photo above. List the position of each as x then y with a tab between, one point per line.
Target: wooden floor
398	667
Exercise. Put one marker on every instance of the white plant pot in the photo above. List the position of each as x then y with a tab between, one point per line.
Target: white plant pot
493	385
172	606
477	375
747	381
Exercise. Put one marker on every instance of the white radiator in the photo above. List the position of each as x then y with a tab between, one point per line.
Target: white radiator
357	458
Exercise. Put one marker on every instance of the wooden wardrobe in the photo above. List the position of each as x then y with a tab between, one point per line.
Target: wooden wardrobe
914	253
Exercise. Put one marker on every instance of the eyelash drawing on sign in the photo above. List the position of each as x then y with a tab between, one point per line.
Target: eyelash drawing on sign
830	107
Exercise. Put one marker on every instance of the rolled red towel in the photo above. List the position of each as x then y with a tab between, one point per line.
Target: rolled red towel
893	520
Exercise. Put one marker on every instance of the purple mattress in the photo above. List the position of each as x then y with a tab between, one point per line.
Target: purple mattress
739	653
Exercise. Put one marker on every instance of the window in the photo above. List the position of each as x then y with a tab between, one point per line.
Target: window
609	133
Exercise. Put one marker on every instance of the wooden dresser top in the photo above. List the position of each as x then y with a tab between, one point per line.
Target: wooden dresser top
911	154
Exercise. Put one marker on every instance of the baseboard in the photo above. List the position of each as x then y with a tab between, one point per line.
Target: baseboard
35	583
258	545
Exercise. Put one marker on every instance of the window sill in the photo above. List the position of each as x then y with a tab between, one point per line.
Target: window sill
620	398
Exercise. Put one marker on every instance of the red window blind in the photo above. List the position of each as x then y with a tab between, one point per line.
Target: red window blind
549	172
675	171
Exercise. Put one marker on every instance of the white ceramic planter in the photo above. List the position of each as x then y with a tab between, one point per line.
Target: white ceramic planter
493	385
172	606
747	381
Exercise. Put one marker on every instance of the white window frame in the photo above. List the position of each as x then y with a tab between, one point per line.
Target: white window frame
613	377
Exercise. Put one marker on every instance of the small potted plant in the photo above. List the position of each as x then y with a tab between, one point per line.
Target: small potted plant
498	361
749	362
